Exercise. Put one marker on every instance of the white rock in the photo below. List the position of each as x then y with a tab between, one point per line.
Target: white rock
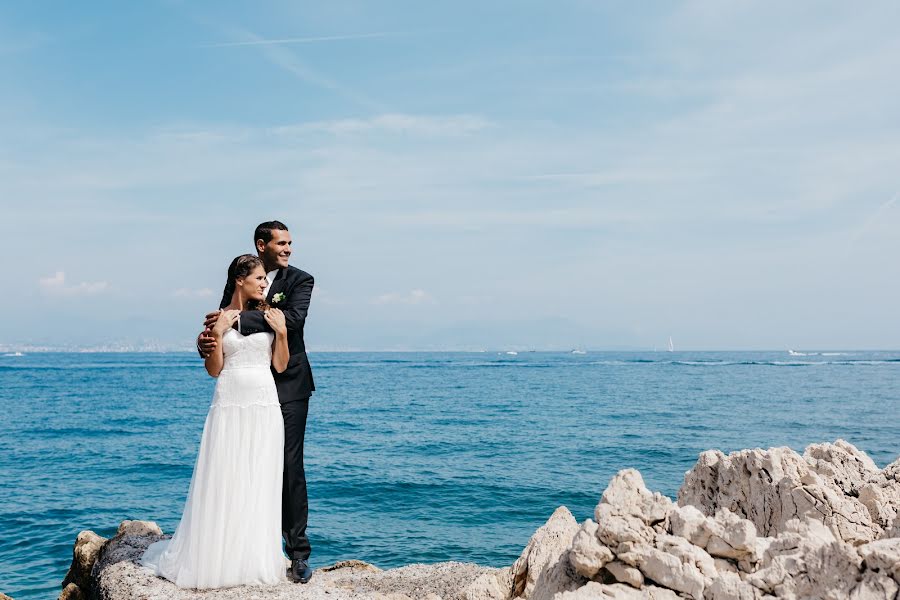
138	528
587	554
614	526
841	464
883	556
875	586
496	585
687	553
627	492
625	574
87	548
616	591
665	569
543	569
728	586
807	561
691	524
771	487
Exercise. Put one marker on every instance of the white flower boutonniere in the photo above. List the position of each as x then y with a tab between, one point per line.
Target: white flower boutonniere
277	297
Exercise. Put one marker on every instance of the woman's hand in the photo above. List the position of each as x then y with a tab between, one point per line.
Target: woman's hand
275	319
224	322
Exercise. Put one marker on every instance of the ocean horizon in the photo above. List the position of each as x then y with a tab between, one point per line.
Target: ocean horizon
413	456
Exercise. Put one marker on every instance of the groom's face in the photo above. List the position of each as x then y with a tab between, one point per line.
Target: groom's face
277	251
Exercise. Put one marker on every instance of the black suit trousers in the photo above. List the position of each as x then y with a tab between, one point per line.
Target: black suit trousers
294	501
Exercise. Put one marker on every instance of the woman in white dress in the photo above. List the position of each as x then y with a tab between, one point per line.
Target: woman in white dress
230	531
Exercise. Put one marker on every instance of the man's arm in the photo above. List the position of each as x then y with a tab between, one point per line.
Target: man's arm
296	304
206	342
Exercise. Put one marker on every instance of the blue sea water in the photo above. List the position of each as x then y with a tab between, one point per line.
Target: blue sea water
412	457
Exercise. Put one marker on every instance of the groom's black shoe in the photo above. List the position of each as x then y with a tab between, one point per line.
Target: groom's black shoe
300	571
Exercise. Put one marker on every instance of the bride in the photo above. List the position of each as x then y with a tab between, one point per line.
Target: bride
230	531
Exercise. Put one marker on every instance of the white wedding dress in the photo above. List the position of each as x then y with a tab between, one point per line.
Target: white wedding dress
230	531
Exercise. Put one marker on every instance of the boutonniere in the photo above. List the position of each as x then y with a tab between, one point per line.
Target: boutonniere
277	297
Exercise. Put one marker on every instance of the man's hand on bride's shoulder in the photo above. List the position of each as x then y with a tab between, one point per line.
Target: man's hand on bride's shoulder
224	322
275	319
211	319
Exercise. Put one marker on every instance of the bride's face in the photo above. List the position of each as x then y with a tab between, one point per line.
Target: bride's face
253	286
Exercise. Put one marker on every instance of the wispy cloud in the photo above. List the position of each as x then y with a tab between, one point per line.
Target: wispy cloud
56	284
412	297
306	40
429	125
192	293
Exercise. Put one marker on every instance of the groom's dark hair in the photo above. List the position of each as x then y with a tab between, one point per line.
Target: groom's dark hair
264	231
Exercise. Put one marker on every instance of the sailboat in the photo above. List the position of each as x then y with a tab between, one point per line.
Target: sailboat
671	345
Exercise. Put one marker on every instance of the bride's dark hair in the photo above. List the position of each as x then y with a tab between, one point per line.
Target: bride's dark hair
240	268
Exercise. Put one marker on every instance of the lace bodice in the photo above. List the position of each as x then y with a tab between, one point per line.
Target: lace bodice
240	351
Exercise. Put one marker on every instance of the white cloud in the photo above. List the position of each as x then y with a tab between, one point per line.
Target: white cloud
412	297
56	284
424	125
305	40
192	293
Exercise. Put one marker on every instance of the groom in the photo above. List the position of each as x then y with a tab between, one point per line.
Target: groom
289	290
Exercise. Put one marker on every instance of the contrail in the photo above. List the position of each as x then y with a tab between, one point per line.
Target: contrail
873	218
305	40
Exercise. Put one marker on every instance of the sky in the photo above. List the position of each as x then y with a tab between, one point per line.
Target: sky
457	175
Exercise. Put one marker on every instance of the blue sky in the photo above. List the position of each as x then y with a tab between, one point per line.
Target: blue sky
457	175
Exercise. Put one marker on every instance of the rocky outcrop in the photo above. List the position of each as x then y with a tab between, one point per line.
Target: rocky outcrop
752	525
114	573
835	484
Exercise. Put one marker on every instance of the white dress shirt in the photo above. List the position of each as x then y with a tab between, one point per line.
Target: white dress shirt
270	277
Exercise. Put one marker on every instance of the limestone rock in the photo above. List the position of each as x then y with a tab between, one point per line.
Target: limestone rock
752	525
351	564
70	592
691	524
138	528
117	575
807	561
617	591
841	464
731	536
687	553
883	556
627	492
615	526
836	484
728	586
666	569
496	585
84	555
587	554
625	574
543	569
874	586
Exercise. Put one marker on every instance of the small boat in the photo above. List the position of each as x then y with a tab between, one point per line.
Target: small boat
671	345
578	352
512	353
792	353
14	354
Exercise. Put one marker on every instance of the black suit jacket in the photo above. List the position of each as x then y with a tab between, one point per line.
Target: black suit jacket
297	380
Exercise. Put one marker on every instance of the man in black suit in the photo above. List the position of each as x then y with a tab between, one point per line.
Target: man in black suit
289	290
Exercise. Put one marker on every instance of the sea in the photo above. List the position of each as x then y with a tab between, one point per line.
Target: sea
412	457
